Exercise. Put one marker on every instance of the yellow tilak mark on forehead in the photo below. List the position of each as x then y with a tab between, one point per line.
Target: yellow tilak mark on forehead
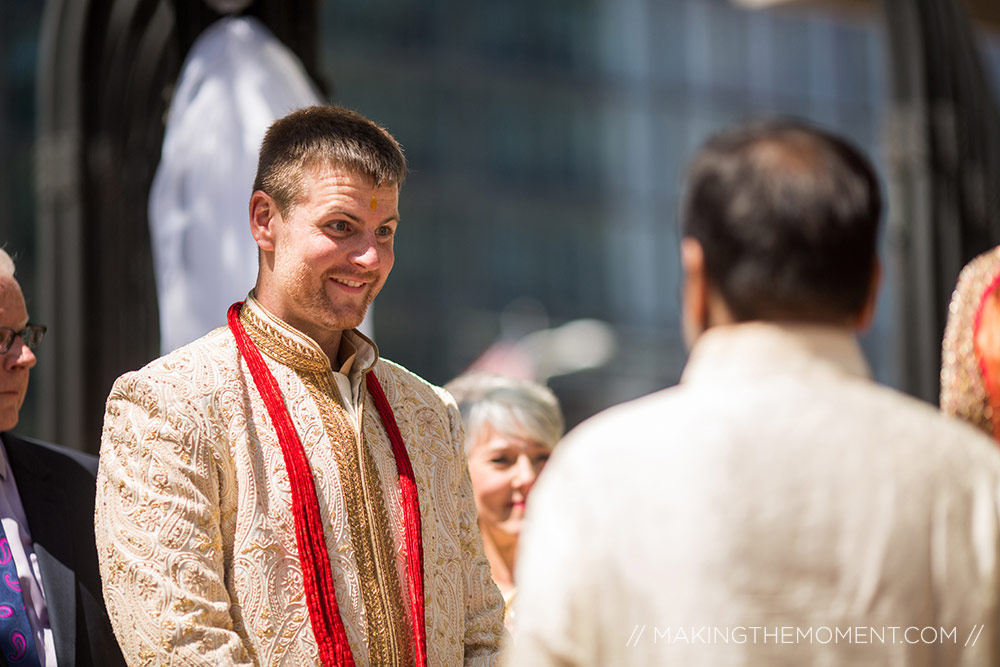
373	204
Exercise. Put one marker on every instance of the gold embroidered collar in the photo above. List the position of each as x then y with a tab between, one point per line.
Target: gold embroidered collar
294	349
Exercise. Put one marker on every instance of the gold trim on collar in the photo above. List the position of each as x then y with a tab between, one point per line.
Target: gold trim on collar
279	345
388	630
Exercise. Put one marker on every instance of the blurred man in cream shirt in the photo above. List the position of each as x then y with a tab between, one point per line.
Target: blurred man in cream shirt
778	506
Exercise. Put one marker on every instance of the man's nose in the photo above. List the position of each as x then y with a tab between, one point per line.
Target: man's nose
524	474
19	355
367	255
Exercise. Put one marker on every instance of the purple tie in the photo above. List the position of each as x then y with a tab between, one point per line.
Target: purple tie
16	639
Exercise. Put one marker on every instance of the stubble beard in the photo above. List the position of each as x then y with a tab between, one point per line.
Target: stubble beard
322	310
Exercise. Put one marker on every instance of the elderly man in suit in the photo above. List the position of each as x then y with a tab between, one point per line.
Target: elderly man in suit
51	608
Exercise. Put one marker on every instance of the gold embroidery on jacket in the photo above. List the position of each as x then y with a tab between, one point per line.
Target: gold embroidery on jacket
364	499
368	518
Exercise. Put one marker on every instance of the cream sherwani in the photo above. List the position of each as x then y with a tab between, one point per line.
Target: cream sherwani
776	508
194	517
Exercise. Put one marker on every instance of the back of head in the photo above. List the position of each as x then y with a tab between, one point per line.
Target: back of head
327	136
508	405
787	216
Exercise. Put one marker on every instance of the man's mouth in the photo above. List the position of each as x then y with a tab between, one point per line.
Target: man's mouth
349	283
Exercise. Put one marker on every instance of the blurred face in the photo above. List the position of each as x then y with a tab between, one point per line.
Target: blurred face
332	251
503	468
15	365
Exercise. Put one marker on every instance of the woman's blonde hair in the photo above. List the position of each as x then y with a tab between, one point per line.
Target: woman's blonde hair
511	406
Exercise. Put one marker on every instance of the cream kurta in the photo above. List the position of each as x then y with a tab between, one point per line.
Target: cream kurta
775	498
194	523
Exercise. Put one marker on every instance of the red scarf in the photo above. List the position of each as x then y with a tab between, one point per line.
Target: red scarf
321	599
984	345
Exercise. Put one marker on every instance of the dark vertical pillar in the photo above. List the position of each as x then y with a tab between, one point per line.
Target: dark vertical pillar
943	147
106	69
60	225
103	70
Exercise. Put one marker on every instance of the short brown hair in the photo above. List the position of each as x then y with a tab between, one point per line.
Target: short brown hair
787	215
325	135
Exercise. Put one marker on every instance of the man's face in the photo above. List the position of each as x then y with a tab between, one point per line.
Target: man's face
332	251
18	361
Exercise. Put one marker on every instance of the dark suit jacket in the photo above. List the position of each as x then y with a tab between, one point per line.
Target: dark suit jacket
57	488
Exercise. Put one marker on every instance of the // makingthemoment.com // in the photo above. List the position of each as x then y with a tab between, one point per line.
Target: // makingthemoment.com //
790	634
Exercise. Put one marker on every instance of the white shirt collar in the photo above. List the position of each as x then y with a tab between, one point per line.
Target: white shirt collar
4	463
756	349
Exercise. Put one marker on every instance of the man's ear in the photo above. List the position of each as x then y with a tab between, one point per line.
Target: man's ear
264	217
695	300
867	315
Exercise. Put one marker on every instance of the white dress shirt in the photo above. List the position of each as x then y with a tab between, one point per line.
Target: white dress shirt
357	354
237	79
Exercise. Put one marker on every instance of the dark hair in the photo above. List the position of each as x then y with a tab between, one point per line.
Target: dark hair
787	216
331	136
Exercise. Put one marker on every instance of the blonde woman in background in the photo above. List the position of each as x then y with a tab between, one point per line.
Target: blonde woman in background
511	426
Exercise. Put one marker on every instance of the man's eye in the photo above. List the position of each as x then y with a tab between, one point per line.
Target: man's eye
340	225
385	231
501	460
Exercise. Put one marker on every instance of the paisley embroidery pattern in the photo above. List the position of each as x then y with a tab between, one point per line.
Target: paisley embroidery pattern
195	533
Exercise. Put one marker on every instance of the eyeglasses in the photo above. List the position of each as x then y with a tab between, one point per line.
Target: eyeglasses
31	335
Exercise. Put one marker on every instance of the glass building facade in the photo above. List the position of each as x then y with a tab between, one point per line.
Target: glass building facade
547	143
20	24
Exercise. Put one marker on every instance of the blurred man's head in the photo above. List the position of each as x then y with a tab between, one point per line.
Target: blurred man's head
16	359
780	223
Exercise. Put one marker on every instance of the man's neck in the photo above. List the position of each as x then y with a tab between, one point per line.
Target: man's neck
328	340
332	348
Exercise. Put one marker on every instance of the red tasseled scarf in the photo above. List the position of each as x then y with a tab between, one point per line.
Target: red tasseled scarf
321	598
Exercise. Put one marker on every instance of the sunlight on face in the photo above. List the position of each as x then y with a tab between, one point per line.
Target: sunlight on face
19	360
333	250
503	469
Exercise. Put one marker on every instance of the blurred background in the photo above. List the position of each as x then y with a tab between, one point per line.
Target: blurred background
547	141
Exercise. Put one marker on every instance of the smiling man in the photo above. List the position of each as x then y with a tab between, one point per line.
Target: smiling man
275	492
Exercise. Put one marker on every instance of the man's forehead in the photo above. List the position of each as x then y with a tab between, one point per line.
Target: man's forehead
322	169
9	284
12	306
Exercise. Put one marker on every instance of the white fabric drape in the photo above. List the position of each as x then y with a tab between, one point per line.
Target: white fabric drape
236	80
